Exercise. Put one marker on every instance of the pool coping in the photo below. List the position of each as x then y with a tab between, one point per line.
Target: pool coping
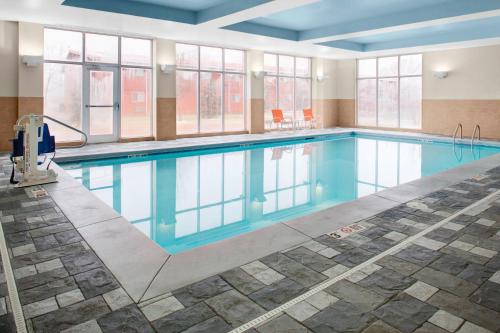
187	144
126	251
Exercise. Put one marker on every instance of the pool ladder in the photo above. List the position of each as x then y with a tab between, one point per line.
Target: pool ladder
477	129
459	127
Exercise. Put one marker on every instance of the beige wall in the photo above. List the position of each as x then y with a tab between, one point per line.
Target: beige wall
346	92
30	79
30	43
327	88
165	55
8	82
474	73
324	92
346	79
9	58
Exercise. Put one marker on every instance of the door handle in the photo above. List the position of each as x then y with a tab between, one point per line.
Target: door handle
98	106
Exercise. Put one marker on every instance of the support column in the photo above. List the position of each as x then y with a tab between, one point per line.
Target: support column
165	117
255	92
30	82
324	92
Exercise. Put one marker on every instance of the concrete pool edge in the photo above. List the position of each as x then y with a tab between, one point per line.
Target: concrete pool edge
113	238
101	151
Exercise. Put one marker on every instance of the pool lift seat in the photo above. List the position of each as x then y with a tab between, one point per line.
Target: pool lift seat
32	139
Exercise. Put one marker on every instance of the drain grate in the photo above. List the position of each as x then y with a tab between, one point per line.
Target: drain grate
17	309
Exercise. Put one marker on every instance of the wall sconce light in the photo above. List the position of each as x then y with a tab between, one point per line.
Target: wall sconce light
440	74
167	69
32	61
322	77
258	74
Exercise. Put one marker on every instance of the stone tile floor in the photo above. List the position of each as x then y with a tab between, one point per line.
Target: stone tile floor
446	281
7	323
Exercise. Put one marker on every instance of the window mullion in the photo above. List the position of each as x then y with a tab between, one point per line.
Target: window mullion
223	95
376	94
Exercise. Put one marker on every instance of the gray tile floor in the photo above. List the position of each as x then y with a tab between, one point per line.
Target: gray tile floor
446	281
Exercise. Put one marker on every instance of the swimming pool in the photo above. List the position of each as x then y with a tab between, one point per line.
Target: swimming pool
189	199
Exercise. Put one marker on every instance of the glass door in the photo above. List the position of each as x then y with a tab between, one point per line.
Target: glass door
101	105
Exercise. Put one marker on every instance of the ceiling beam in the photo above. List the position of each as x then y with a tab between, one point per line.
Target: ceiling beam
136	9
345	45
439	38
460	10
238	11
264	30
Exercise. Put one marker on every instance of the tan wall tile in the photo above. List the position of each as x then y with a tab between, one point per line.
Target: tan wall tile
165	119
256	123
442	116
347	112
8	116
30	105
326	112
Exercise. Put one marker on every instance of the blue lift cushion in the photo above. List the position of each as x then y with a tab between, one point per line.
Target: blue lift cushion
47	145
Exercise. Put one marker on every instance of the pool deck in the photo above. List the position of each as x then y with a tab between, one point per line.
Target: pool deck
76	261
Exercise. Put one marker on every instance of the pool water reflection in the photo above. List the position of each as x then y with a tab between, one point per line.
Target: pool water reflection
186	200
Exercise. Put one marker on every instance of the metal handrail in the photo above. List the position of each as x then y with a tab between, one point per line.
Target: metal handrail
85	138
477	130
458	157
459	126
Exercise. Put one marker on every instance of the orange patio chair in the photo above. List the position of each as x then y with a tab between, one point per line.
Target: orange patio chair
278	118
309	118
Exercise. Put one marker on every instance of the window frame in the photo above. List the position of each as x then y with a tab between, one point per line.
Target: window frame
223	73
277	75
118	65
398	77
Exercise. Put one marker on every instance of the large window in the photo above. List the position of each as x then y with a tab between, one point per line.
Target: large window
287	86
69	53
389	92
210	86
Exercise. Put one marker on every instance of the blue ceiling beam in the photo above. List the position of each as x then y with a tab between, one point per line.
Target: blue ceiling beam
227	8
459	8
136	9
432	39
263	30
164	12
345	45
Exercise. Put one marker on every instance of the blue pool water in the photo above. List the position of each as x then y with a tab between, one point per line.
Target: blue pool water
189	199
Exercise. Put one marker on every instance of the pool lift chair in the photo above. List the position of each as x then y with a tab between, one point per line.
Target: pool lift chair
33	139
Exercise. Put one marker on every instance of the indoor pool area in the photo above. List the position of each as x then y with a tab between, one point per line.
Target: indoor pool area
189	199
258	166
